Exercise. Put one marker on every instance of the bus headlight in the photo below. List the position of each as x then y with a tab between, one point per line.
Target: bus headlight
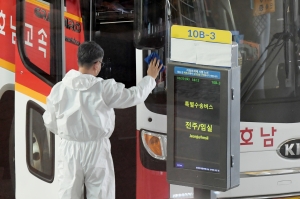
155	144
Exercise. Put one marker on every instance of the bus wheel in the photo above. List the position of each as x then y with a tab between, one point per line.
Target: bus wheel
12	155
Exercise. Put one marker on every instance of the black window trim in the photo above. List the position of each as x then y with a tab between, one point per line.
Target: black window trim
56	43
33	171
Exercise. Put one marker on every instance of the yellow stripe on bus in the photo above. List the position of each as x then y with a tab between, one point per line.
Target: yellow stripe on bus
74	17
7	65
201	34
38	3
46	6
31	93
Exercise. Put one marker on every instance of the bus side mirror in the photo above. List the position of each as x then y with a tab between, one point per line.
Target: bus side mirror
149	24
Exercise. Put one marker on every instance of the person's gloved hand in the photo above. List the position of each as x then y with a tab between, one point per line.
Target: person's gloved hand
154	68
151	57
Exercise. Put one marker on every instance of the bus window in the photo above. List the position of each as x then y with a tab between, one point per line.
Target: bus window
156	101
187	13
192	13
268	56
39	144
38	21
149	30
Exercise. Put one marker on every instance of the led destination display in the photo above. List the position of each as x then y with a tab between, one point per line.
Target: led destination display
203	109
197	119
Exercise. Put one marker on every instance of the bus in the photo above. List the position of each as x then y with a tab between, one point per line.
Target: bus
267	32
39	42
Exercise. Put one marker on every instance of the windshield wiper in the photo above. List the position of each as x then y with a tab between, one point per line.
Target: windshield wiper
251	79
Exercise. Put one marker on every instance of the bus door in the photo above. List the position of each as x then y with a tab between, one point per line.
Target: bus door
110	24
151	36
46	31
112	29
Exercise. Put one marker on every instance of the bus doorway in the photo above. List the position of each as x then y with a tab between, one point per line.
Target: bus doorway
114	33
6	144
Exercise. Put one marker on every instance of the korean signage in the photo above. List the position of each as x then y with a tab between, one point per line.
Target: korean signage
267	135
197	115
284	138
8	32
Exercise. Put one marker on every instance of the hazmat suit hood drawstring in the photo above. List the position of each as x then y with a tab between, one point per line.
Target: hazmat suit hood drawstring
78	81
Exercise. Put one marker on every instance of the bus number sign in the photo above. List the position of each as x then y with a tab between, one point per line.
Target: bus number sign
263	7
201	34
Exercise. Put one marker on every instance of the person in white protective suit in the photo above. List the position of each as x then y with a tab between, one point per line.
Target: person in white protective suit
80	111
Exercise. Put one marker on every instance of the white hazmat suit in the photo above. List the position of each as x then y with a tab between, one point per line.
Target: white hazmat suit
80	111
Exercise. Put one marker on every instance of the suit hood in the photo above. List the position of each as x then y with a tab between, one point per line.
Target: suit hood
78	81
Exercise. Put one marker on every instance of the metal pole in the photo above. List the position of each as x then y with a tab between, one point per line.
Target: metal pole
204	194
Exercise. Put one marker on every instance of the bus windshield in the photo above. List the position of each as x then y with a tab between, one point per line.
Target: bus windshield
264	31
